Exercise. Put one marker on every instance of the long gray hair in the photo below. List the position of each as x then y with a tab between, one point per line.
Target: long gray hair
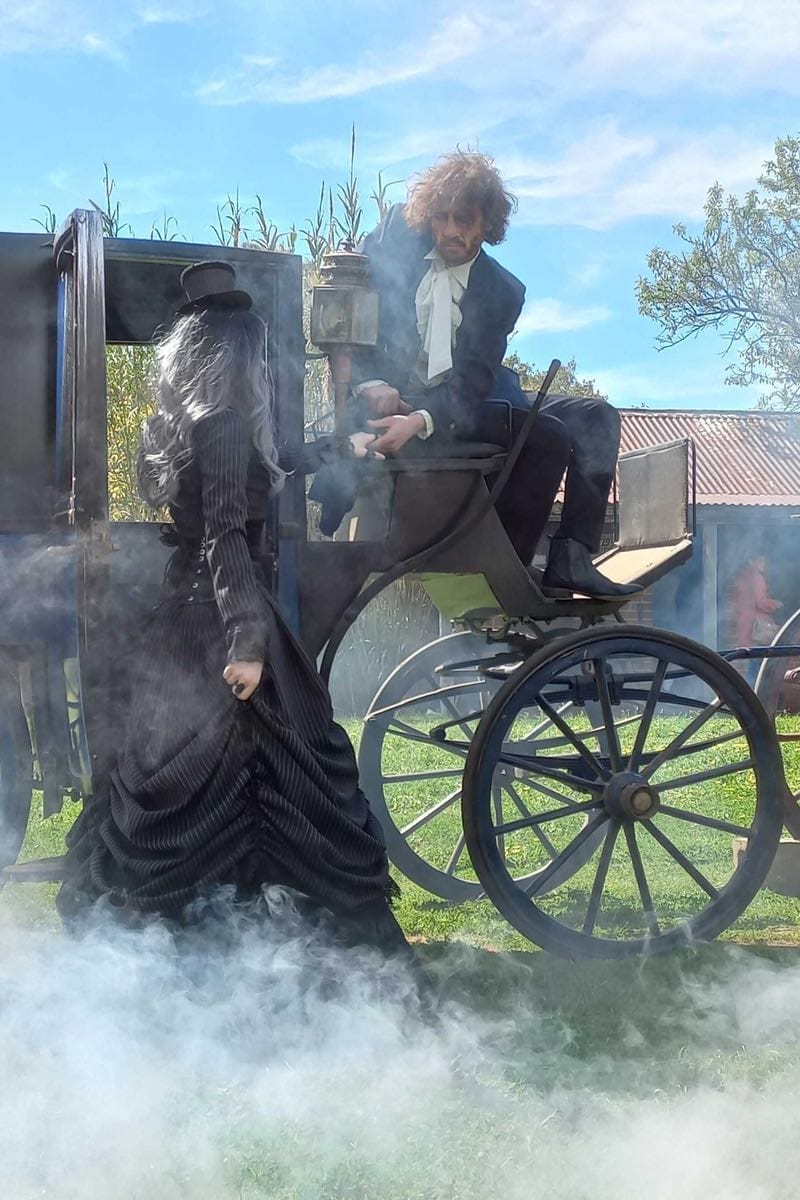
209	360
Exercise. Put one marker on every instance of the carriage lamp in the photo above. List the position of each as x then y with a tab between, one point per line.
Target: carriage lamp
344	315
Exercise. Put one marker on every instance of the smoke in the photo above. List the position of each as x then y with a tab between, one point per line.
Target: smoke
268	1063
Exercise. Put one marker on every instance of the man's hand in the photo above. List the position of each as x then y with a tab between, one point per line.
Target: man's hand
384	401
396	432
243	677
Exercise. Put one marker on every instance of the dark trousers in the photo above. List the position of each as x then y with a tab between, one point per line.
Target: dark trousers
576	434
525	504
593	427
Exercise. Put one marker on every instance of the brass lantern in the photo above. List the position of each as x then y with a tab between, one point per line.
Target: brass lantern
344	315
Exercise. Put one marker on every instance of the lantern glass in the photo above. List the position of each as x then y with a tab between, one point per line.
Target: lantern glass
344	316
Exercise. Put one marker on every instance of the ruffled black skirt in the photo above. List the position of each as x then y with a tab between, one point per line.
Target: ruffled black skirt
208	790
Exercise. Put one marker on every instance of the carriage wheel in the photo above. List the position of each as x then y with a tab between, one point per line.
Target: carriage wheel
770	689
413	748
687	762
16	773
411	759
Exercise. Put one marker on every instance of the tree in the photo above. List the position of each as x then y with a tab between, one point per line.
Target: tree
740	277
565	383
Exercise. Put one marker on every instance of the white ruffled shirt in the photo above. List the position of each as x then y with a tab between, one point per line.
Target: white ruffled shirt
438	305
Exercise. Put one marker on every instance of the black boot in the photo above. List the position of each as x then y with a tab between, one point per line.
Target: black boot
570	569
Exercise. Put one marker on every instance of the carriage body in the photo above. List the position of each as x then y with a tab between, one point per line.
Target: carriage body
73	582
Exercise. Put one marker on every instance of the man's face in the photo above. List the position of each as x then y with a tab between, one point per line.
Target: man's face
457	232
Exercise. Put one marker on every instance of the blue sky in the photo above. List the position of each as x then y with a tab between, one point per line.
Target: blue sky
610	118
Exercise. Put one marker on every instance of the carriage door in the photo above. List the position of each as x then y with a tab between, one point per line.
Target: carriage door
81	468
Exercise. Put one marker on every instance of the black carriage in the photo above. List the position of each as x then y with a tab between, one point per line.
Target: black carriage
527	756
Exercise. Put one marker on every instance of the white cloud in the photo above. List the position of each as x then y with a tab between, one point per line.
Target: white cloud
457	39
650	45
176	12
549	315
586	277
537	53
82	26
375	152
587	164
647	47
94	43
607	177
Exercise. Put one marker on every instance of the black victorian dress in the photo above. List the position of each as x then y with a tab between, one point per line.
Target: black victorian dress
209	790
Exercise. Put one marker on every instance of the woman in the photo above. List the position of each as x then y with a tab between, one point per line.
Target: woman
232	770
752	607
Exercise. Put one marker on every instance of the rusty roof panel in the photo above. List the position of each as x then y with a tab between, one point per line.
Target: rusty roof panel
745	458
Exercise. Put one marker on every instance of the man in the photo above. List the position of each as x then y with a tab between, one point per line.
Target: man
446	312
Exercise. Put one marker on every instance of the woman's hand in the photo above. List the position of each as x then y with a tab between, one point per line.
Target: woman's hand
243	677
361	443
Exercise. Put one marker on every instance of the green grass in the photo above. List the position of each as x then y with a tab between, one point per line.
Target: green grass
770	919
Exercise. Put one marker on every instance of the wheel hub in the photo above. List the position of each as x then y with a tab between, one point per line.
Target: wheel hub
629	797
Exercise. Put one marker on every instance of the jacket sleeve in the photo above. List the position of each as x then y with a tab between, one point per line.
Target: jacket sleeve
223	446
308	458
480	349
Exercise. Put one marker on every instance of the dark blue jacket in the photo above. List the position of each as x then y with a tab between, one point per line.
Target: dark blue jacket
490	308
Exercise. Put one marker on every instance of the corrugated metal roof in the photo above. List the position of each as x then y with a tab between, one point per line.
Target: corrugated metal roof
745	458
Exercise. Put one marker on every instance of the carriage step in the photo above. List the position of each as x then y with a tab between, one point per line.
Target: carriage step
37	870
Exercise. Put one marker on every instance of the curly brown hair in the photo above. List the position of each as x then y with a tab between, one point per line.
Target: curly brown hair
467	179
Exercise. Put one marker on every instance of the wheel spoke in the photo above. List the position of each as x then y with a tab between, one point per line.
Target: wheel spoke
641	880
555	742
709	822
538	766
701	776
647	716
681	859
415	776
400	729
600	877
553	814
430	813
544	876
453	861
457	719
540	728
525	811
544	790
497	800
608	715
441	729
572	737
709	744
663	756
438	694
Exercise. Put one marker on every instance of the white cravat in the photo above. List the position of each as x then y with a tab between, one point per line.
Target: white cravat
438	314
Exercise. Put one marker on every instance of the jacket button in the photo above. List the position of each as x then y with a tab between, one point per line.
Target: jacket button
195	585
190	599
198	572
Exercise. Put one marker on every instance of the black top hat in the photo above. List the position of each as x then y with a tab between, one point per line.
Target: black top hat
210	285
